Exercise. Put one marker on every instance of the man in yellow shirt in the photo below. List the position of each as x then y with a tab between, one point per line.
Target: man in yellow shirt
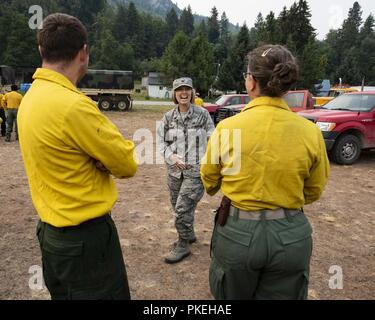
2	117
198	101
71	151
11	102
269	162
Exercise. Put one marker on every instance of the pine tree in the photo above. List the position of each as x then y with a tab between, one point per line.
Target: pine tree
344	43
88	9
133	21
312	65
109	54
84	10
135	31
201	64
120	24
283	26
365	52
213	26
271	32
224	28
19	47
368	27
258	32
230	77
202	29
172	23
349	69
187	21
302	31
176	57
349	33
221	49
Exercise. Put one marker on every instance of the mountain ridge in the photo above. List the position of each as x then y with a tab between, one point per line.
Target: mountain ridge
161	8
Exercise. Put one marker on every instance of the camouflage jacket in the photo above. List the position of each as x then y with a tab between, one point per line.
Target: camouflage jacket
185	137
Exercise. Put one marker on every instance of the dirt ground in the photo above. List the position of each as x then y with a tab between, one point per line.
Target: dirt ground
343	222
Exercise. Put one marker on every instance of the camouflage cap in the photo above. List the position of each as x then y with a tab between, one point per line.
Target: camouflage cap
182	82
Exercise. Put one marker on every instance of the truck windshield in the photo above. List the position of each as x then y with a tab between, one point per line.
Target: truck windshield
352	102
294	99
221	100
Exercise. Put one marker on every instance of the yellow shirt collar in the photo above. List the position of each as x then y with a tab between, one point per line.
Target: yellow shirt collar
53	76
267	101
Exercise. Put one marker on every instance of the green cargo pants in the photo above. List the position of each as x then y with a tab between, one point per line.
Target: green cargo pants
11	116
261	260
83	262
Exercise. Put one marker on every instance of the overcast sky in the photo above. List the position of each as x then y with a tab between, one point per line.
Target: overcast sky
326	14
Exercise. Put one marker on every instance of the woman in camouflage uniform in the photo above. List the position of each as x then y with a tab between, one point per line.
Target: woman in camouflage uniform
183	135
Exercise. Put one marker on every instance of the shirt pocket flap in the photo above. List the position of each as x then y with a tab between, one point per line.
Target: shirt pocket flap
237	236
63	248
296	234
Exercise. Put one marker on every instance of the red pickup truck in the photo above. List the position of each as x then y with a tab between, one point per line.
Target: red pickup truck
224	101
348	125
297	101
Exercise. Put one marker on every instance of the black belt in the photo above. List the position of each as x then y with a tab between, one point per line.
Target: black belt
81	226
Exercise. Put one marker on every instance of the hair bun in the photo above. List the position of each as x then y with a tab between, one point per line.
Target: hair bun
282	69
283	76
274	68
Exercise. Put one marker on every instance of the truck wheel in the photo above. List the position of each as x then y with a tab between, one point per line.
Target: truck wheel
122	105
346	150
105	104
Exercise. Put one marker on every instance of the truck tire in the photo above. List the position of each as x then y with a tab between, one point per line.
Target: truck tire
122	105
105	104
347	150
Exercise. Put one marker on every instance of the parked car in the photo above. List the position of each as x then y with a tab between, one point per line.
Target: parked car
347	124
226	100
297	101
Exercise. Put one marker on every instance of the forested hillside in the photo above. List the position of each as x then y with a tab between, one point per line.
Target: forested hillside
123	37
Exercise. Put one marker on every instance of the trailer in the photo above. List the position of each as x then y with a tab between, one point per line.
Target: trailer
112	89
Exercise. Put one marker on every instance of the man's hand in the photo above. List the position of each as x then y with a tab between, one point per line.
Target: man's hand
178	163
101	167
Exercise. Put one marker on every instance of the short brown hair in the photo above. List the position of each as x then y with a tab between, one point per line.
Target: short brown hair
61	37
274	68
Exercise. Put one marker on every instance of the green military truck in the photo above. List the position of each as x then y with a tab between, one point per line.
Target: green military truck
110	88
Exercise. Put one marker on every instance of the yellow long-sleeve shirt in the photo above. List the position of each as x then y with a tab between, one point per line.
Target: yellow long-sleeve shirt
277	159
1	100
12	100
62	136
198	101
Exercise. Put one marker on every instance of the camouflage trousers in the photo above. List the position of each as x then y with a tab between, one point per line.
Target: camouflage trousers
185	194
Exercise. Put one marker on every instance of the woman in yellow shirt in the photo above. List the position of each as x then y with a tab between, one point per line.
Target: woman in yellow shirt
268	163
